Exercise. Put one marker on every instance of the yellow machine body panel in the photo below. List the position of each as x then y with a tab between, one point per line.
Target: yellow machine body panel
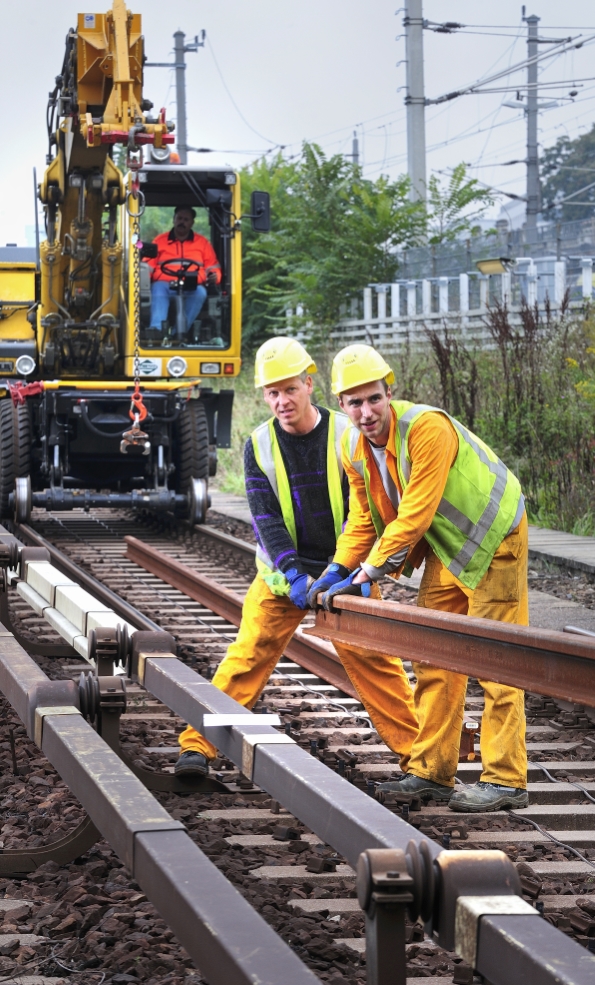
103	57
17	296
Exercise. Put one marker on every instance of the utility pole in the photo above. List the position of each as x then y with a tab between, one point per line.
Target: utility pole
533	195
179	64
415	100
355	148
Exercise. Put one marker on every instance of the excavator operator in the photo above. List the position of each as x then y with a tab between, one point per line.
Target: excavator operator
181	243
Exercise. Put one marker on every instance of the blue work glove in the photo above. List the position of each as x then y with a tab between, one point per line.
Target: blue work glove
331	575
346	587
299	583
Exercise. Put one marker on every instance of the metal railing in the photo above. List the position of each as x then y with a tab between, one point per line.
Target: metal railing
389	314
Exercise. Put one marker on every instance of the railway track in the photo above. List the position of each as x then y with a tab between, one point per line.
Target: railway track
252	843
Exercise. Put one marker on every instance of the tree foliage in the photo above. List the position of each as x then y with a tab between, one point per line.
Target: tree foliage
334	232
567	170
453	209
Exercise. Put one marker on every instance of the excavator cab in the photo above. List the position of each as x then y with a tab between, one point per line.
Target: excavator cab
208	345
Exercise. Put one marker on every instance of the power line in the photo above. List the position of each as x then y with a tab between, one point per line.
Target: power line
550	27
500	191
510	50
465	90
235	105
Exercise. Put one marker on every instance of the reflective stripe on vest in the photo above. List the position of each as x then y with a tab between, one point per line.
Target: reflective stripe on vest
270	460
498	500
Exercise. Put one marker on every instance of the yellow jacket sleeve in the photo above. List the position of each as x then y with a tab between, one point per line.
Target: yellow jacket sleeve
357	539
433	447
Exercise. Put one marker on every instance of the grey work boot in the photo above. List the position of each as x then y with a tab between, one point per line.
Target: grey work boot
487	797
414	786
192	764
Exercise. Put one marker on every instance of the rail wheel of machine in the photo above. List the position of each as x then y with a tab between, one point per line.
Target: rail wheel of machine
22	499
191	458
15	448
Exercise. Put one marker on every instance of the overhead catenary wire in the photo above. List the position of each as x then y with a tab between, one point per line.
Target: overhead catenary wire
232	100
510	51
537	59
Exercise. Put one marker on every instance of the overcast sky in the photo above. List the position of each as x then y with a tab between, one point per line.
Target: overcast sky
308	70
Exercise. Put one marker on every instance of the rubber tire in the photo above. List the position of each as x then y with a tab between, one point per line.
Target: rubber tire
191	446
15	449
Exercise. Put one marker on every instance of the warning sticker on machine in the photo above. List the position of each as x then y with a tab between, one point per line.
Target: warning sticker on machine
89	21
150	367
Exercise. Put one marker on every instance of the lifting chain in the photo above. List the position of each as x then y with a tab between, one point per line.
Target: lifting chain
136	193
135	438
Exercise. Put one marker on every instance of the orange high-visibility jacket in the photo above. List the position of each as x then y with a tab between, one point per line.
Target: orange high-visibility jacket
433	447
196	247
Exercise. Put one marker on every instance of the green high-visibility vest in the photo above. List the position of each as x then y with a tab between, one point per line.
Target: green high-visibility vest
481	504
270	460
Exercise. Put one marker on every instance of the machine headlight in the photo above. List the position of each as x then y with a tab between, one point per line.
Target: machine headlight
177	366
25	365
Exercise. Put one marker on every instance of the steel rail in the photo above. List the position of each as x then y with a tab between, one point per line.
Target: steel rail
558	665
204	530
92	585
229	941
313	655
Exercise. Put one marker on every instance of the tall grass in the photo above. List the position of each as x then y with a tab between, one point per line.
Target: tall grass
531	398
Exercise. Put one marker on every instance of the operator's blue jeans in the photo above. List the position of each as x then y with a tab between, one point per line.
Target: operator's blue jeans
161	295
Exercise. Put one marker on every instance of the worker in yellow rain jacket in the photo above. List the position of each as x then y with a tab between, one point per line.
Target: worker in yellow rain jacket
297	494
423	486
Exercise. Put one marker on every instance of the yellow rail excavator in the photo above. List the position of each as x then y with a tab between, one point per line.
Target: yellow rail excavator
99	406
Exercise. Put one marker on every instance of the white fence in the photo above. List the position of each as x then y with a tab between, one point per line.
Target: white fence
402	310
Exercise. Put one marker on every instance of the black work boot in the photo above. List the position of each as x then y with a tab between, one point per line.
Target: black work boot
192	764
414	786
487	797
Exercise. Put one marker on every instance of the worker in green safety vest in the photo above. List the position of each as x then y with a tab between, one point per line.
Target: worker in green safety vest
424	487
297	494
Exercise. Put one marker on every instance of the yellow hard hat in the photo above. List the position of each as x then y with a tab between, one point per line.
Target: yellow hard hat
279	359
356	365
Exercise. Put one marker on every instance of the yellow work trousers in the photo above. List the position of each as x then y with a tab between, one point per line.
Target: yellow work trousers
440	694
268	623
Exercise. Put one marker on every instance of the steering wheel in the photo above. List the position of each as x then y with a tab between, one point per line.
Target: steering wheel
183	267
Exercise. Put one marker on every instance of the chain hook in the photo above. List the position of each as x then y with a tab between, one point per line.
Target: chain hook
137	411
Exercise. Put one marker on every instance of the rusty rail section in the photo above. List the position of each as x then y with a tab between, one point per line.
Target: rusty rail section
314	655
554	664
